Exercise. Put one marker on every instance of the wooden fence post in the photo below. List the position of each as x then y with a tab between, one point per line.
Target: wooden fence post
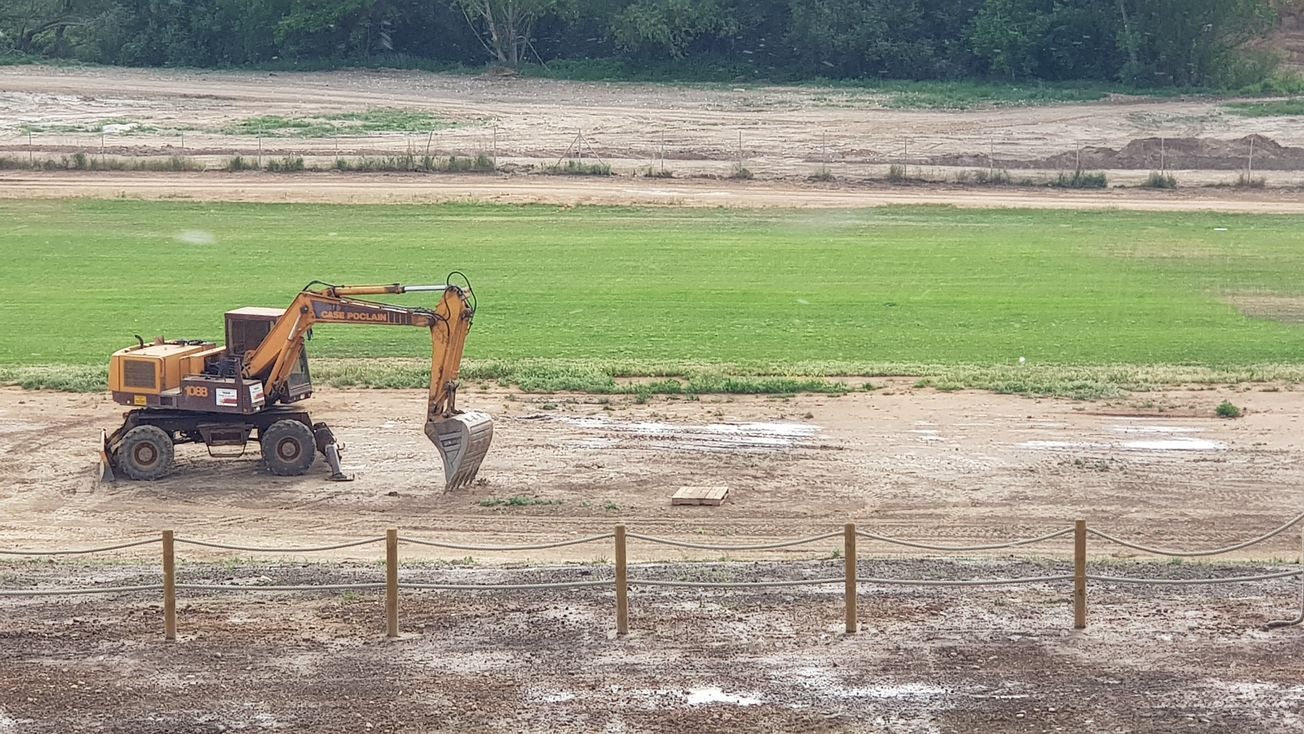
622	584
1080	575
169	588
391	582
849	559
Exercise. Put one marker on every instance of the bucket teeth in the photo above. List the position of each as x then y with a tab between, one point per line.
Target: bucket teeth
462	440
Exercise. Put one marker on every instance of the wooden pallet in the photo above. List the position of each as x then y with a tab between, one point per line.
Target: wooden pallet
713	496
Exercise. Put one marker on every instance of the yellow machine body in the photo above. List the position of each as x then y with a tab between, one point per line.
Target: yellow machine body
147	375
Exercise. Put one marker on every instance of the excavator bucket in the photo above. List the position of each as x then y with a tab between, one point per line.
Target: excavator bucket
463	440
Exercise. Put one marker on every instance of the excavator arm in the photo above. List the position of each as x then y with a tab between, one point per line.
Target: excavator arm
462	438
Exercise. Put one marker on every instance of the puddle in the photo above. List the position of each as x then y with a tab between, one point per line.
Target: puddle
702	696
828	684
1157	444
545	696
1176	444
708	437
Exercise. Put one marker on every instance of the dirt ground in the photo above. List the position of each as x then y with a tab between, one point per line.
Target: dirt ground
944	467
771	660
781	132
950	467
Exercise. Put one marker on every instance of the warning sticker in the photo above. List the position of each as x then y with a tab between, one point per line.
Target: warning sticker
256	392
227	397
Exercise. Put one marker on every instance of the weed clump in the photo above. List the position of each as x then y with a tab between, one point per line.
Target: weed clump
1157	180
578	168
1080	179
1226	409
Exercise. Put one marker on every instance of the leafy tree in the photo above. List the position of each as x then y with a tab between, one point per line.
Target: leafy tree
1047	39
670	28
1187	42
506	27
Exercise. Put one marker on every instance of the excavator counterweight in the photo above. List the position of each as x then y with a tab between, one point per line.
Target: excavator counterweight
193	391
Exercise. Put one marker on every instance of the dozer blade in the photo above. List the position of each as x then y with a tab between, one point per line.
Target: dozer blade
106	462
462	440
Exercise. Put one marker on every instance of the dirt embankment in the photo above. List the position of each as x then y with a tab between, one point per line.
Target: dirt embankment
1255	152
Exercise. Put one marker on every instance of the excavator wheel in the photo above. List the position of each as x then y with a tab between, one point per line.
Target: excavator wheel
288	448
145	453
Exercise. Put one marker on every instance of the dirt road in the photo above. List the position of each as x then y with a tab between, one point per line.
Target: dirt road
401	188
922	464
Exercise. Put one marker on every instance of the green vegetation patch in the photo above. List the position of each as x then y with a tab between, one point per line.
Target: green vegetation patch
660	300
343	123
1273	108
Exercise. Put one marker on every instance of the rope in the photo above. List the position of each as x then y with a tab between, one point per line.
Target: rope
493	548
737	584
968	582
252	549
318	587
507	587
1194	554
120	546
994	546
763	546
69	592
1186	582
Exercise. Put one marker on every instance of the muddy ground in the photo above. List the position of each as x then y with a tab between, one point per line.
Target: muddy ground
925	660
960	467
778	132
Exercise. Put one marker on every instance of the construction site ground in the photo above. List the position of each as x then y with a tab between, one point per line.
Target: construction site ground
1154	659
779	133
962	467
953	467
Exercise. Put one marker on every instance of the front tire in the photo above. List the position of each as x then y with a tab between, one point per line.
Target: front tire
145	453
288	448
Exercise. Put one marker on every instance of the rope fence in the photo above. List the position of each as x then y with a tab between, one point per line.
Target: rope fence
621	582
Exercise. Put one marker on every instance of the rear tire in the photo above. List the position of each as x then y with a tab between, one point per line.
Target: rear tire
145	453
288	448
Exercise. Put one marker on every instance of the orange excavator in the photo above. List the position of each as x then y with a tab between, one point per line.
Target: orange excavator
193	391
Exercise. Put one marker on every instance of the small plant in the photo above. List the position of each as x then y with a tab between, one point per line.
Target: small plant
288	164
240	163
836	554
991	177
1226	409
1080	179
657	172
1157	180
611	507
579	168
741	173
517	501
897	173
823	175
1246	181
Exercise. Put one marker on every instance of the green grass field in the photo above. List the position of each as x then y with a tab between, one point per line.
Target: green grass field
573	298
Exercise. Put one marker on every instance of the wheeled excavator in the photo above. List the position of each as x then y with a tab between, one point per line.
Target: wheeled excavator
195	391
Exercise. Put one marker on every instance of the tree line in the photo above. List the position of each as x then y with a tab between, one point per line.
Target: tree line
1143	42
